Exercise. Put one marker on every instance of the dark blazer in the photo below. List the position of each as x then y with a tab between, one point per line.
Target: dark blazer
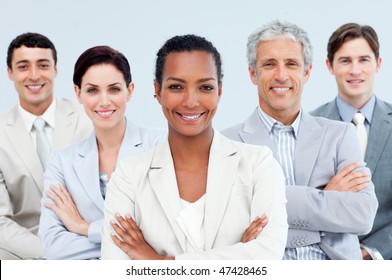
379	159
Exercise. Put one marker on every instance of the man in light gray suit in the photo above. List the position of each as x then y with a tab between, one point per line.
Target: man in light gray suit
31	62
353	58
330	198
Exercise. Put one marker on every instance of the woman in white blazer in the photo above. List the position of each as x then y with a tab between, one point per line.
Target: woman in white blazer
75	177
196	194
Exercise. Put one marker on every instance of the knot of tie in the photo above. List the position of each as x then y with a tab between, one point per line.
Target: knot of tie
39	124
358	118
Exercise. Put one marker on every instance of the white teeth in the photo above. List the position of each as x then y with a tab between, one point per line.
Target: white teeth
107	113
280	89
34	87
193	117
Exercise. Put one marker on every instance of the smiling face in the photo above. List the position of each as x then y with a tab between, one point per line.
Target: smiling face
104	95
33	73
189	93
355	67
280	76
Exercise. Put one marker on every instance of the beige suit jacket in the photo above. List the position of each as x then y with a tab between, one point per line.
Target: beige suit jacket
244	181
21	176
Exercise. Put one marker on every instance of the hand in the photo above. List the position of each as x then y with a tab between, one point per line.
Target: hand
66	210
348	180
366	255
132	240
255	228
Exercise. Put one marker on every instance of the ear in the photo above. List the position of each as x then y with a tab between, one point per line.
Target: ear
220	90
379	60
55	71
130	89
329	66
10	74
157	90
253	75
78	92
307	72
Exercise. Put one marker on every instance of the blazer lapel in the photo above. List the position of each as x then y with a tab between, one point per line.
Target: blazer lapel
20	139
310	137
255	133
222	171
87	169
379	133
164	184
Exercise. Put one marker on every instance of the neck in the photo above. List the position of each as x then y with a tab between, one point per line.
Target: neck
192	148
36	109
110	138
357	101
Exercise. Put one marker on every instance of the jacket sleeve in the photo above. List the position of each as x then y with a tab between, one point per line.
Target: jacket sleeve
58	242
313	209
14	238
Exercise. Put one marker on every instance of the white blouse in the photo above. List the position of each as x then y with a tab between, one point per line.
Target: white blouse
191	221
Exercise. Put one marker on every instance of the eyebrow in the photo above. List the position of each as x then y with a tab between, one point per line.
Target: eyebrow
349	57
28	61
90	84
183	81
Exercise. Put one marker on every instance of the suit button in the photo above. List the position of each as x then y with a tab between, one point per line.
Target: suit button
293	243
307	240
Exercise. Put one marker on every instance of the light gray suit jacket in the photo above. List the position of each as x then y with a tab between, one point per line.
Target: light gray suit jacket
243	181
332	219
77	168
22	177
379	159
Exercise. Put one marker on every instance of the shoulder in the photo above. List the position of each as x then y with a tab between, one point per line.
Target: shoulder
68	153
248	152
152	134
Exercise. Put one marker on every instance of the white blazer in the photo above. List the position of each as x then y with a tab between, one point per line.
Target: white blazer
244	181
77	168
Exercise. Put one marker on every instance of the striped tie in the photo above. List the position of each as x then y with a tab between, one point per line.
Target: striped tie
43	146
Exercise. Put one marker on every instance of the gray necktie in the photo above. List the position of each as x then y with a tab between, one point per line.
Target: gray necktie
359	121
43	146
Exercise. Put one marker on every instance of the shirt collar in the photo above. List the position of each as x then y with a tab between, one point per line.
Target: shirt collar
48	116
269	121
347	111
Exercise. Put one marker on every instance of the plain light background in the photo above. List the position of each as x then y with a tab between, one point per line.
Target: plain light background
139	28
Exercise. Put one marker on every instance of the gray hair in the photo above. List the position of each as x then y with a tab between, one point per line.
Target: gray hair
275	30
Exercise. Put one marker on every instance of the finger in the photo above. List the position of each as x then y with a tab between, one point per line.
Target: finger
119	243
134	227
253	227
348	169
54	197
120	232
58	193
128	227
66	194
359	187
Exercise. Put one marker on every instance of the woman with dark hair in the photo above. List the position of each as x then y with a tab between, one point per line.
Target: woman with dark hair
76	177
196	194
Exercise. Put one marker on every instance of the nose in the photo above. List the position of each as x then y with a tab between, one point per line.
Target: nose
281	74
34	73
355	68
104	100
190	99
